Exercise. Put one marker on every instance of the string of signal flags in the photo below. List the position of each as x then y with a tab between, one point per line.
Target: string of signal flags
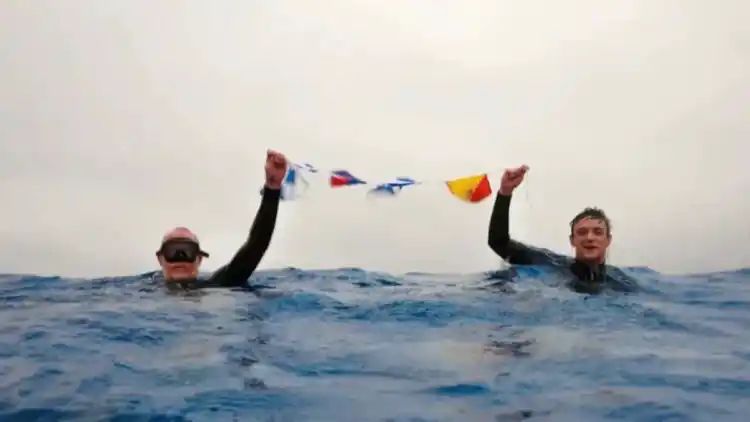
470	189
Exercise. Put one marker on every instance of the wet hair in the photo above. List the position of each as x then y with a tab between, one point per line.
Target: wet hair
593	213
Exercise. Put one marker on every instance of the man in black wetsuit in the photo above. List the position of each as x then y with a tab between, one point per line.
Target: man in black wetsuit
180	254
590	236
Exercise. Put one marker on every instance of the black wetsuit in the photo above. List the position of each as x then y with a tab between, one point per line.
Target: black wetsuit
247	258
585	278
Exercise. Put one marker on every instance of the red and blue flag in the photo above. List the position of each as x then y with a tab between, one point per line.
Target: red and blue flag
344	178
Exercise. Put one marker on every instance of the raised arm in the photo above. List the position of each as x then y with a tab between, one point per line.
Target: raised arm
498	236
247	258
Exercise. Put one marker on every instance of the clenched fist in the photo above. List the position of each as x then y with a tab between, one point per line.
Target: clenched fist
275	169
511	179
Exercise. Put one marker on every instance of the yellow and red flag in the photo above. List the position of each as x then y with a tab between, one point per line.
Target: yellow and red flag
470	189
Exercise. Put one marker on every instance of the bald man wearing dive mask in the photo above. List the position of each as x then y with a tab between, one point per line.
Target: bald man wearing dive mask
180	254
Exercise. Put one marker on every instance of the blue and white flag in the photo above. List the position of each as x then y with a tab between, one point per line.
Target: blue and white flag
392	188
294	184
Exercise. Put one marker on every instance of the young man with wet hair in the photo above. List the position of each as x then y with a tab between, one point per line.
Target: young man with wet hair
590	237
180	254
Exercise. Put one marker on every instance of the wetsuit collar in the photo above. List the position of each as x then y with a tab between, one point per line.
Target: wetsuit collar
586	272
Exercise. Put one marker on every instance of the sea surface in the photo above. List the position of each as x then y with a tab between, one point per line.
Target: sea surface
354	345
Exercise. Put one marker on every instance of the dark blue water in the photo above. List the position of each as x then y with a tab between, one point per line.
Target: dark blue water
350	345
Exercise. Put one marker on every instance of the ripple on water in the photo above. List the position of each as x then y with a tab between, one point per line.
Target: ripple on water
348	344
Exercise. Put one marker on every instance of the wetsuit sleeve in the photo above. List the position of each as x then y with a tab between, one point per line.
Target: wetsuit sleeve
499	239
247	258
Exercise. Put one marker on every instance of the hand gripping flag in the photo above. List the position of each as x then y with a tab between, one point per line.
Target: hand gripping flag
344	178
470	189
294	182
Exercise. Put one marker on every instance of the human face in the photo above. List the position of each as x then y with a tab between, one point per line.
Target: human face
180	255
180	271
590	239
179	260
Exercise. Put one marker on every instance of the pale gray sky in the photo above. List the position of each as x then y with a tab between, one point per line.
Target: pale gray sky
121	119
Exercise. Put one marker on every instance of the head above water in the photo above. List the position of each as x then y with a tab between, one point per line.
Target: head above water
591	235
180	255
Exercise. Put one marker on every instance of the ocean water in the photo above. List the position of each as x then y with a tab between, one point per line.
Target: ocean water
353	345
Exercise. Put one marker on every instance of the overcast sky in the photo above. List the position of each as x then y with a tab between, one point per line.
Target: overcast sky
121	119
